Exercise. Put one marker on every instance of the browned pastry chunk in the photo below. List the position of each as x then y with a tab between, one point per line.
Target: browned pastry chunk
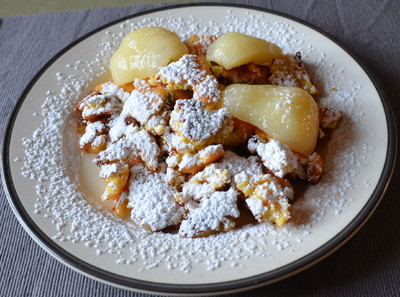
315	168
198	45
246	74
97	105
290	71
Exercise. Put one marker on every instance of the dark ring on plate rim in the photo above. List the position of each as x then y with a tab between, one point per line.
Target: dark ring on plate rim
214	288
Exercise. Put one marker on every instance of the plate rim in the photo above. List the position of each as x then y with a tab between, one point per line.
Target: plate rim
262	279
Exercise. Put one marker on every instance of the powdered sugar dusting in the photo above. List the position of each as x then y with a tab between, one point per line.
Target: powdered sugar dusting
77	220
152	199
195	122
186	72
142	106
276	156
210	213
91	136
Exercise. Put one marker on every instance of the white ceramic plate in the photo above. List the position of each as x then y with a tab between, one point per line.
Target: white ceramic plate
40	167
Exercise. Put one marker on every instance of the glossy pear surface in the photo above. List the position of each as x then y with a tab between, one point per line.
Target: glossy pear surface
287	114
235	49
142	52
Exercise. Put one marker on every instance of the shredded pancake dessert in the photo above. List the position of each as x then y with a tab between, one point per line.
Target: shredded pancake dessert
190	136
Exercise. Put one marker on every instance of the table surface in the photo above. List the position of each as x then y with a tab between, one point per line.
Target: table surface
368	265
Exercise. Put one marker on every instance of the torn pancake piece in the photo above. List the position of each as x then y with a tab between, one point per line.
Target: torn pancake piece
203	184
266	196
152	200
198	125
212	215
276	156
136	144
